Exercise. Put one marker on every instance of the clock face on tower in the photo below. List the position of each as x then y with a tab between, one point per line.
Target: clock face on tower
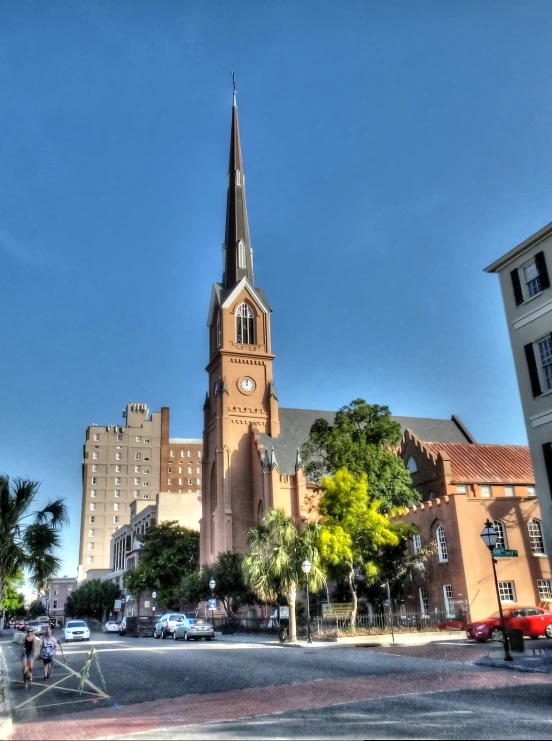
247	385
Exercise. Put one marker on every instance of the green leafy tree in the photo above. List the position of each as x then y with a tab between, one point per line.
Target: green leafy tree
94	599
36	609
28	538
364	439
169	553
12	603
231	588
353	531
273	564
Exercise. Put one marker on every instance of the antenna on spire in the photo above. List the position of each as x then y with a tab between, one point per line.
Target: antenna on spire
234	104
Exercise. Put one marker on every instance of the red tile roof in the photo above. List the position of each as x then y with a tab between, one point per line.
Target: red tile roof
486	464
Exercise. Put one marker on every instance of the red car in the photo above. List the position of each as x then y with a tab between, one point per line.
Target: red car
533	621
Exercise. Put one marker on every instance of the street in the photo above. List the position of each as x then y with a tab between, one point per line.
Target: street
238	689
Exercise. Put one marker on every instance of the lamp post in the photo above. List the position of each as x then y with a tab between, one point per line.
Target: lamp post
306	567
212	584
489	537
153	596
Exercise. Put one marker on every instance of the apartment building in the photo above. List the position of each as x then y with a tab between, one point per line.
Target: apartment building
527	296
121	464
57	592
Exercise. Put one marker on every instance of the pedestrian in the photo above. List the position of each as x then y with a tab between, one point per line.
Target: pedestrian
27	656
48	648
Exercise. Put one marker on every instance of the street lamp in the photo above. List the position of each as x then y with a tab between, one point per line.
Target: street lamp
212	584
153	596
489	537
306	567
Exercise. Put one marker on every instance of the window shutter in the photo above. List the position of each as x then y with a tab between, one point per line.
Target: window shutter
518	295
540	262
547	453
533	370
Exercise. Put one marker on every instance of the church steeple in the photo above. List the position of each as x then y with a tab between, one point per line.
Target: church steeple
238	255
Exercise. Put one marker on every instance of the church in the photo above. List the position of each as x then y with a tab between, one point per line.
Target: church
251	461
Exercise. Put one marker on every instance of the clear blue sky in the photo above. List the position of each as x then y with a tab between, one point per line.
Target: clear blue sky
391	150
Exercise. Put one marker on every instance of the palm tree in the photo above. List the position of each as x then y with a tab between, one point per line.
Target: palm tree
273	564
28	538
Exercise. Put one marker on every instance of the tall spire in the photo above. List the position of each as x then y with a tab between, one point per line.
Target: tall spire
238	262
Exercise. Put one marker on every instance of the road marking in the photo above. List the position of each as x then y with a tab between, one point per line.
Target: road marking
53	704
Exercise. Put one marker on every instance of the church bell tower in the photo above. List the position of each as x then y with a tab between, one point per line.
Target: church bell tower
241	394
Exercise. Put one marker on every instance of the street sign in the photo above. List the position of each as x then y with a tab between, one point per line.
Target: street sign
284	612
504	552
212	604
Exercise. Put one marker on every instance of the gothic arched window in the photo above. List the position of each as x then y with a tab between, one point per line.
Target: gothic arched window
535	536
219	331
241	254
411	465
245	325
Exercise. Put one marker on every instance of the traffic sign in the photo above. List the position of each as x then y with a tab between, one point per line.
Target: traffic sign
212	605
504	552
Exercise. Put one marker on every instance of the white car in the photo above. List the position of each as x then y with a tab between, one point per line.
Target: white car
77	630
111	627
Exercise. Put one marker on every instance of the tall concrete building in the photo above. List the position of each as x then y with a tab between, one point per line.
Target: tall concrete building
121	464
527	296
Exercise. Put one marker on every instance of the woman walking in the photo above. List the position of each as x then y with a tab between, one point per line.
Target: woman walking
48	647
27	656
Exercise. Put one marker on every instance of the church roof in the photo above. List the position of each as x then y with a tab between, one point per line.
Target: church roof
222	294
295	425
486	464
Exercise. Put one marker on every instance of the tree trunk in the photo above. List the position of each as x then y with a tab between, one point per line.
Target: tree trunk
355	600
2	611
291	596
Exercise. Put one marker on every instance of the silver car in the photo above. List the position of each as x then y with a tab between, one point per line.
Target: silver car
193	629
166	624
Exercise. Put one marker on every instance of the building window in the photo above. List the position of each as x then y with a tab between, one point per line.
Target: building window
172	453
136	469
137	481
535	537
199	482
416	542
244	325
94	480
95	468
55	604
545	589
441	544
119	438
530	491
118	469
138	457
95	455
411	465
449	600
96	436
461	488
145	483
92	519
545	353
198	470
136	494
501	541
506	591
509	491
170	469
92	506
117	493
117	481
169	482
90	559
199	453
190	470
118	457
91	533
56	591
424	602
116	506
146	496
90	546
116	519
146	440
93	493
138	439
219	331
190	482
486	492
180	482
241	244
530	279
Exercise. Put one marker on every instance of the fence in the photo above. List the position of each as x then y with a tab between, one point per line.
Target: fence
377	623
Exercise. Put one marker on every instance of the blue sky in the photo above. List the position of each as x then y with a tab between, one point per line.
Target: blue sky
391	150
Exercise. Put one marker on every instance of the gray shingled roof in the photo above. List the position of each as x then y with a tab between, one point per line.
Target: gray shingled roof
295	425
223	293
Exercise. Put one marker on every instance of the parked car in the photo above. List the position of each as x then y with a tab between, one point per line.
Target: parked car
122	627
77	630
533	621
111	627
166	624
37	626
20	624
195	629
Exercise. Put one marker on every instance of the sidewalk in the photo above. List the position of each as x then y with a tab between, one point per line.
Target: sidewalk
401	639
5	709
537	660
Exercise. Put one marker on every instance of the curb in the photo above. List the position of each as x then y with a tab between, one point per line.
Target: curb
6	724
511	666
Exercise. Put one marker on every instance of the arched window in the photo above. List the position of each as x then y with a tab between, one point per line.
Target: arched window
241	254
441	544
244	325
411	465
535	536
219	331
260	511
431	495
501	541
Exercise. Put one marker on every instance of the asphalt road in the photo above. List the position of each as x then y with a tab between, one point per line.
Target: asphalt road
254	691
